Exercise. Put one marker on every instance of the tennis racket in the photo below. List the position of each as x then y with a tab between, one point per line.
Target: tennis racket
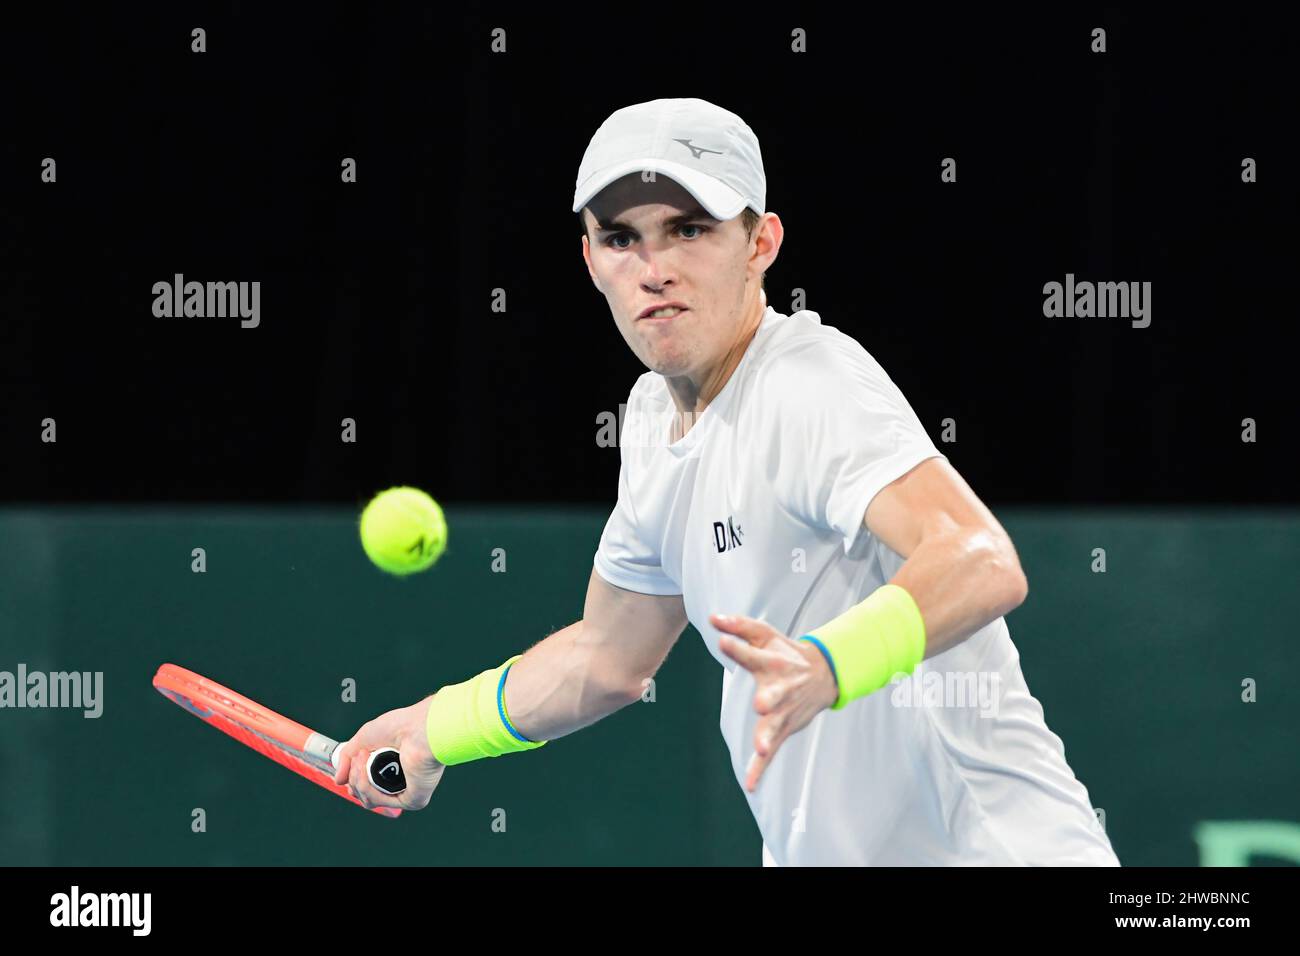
287	742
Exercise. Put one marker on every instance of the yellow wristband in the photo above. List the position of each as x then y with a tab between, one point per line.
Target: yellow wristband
872	642
468	721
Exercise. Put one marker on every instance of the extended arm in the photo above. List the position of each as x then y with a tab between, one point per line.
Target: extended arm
563	683
595	666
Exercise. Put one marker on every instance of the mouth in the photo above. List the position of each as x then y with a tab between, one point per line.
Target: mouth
663	310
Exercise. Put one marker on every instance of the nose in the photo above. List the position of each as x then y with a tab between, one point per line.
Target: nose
656	274
655	280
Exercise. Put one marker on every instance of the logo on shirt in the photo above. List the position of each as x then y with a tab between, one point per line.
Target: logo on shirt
727	537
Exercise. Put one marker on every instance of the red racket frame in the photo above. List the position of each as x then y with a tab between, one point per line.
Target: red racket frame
285	741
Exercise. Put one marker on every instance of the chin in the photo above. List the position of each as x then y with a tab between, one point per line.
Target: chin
669	367
668	355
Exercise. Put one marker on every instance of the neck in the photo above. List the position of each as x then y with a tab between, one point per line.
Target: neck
693	393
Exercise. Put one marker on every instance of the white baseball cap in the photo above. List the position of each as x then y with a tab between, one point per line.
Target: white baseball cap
711	152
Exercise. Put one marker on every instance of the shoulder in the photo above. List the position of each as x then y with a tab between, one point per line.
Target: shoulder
806	362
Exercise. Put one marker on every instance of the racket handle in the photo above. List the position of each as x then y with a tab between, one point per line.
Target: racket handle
384	768
385	771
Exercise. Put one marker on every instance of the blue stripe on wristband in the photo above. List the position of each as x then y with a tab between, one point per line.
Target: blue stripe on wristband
825	653
501	707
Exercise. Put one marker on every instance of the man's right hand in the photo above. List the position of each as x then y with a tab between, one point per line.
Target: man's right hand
403	730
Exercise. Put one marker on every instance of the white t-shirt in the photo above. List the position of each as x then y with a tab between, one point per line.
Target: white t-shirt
759	511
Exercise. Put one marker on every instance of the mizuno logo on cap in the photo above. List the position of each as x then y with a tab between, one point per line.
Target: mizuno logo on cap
696	151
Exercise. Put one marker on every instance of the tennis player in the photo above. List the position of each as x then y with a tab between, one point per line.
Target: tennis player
778	492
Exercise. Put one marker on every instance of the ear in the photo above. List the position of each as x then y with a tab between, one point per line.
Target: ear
586	257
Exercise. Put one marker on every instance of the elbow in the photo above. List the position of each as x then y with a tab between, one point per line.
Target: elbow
1019	589
1002	581
620	692
644	690
623	689
641	689
1011	587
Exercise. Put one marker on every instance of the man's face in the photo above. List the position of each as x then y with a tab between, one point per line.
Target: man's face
649	243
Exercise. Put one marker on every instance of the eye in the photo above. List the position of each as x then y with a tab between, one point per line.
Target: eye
614	237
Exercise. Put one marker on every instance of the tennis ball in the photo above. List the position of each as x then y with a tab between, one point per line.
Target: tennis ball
403	530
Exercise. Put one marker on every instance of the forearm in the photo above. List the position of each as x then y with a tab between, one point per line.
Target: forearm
961	579
557	687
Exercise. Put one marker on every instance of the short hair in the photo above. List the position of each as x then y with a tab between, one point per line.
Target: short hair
748	218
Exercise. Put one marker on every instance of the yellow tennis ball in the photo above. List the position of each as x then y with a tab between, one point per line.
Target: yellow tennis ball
403	530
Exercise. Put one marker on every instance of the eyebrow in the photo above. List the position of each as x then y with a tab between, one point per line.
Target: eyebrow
695	212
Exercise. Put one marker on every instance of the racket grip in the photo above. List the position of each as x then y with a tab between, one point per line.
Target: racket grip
384	769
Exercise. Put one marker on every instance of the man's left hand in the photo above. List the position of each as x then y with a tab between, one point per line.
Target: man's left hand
794	683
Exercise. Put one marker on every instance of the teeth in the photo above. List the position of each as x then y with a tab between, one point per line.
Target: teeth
664	313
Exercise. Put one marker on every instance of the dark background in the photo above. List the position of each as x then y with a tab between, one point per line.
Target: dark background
1123	166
